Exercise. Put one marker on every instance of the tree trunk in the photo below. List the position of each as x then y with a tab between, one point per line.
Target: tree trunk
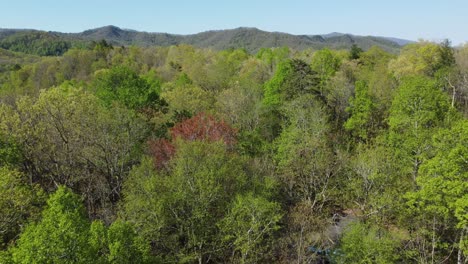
460	252
433	240
453	97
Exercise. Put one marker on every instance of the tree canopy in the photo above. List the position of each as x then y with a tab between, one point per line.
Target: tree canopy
179	154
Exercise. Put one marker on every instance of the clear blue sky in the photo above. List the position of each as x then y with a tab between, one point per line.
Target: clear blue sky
410	19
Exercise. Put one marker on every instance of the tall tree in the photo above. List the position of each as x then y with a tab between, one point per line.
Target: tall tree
250	225
122	84
67	137
418	108
20	202
362	243
61	236
442	192
180	211
325	63
361	123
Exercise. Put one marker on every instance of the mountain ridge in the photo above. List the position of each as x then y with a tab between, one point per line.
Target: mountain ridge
250	38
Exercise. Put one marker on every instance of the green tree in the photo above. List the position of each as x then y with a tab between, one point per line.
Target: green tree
250	225
118	243
61	236
447	54
125	246
19	203
303	155
67	137
223	68
422	58
292	79
179	212
361	123
36	42
355	52
241	102
307	171
418	108
362	243
325	63
273	57
124	85
65	235
442	189
185	97
10	152
373	69
375	187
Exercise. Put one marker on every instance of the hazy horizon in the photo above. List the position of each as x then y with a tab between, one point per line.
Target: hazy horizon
220	29
399	19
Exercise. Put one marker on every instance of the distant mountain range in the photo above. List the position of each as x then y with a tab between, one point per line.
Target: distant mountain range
252	39
398	41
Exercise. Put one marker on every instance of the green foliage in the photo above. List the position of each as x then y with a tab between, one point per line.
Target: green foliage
375	56
303	155
102	47
241	102
325	63
442	186
123	85
417	109
125	245
224	67
183	96
362	243
375	187
67	137
61	236
249	225
19	203
36	42
361	108
447	55
418	105
400	175
422	58
273	88
185	206
355	52
443	178
10	153
119	243
373	69
292	79
98	241
5	257
273	57
64	235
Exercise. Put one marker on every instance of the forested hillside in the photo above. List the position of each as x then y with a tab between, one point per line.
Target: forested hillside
250	39
179	154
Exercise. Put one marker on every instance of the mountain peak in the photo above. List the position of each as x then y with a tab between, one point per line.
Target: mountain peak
104	32
333	34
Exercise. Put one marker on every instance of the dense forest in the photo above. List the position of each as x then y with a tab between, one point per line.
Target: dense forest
250	39
178	154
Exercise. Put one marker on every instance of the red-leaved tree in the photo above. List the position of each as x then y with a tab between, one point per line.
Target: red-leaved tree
201	127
